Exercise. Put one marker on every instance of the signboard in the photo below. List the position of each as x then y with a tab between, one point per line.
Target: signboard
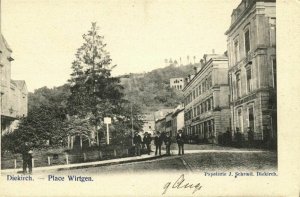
107	120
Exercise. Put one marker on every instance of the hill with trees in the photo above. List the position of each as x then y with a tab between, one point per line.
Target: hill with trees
152	90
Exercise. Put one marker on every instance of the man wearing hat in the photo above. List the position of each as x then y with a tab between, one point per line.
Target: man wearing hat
27	158
180	142
158	142
137	140
168	142
147	140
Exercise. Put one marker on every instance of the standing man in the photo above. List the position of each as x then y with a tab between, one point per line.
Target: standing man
147	140
250	136
180	142
137	140
158	142
168	142
27	158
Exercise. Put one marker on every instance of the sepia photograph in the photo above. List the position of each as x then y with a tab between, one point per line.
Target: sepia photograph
167	93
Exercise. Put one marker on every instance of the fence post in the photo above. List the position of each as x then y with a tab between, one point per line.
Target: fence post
15	163
115	152
49	161
100	154
67	159
32	162
84	156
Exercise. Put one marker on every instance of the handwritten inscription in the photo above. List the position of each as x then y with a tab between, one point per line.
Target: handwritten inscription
181	183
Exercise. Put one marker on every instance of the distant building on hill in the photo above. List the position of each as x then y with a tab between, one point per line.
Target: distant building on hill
177	83
13	93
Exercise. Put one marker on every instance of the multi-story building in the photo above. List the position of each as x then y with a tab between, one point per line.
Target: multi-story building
171	122
206	99
160	124
13	93
177	120
149	123
177	83
162	113
168	125
252	69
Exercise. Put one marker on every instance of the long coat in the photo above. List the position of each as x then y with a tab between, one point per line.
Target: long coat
158	140
180	139
147	139
137	139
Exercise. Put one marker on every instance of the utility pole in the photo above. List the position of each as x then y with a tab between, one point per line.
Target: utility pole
131	116
0	121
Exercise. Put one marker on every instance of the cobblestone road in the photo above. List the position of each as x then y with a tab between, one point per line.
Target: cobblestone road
226	159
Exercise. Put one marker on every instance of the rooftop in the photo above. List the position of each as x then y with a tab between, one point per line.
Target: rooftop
241	10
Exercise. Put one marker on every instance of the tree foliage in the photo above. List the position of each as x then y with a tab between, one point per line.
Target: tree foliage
42	127
94	92
152	90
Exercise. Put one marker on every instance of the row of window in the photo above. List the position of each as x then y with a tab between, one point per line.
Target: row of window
178	87
203	130
247	40
236	88
238	84
236	46
178	81
199	109
202	87
239	124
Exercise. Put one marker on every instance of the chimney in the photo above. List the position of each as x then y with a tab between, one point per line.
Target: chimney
195	70
226	53
202	63
186	80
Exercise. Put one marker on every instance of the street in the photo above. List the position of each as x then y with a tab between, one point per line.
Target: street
198	158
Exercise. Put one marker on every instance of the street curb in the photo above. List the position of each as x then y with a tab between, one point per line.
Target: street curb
107	164
83	165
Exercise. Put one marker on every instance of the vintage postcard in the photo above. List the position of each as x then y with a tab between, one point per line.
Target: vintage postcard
149	98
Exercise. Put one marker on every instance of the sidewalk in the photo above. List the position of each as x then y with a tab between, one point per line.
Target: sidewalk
86	164
124	160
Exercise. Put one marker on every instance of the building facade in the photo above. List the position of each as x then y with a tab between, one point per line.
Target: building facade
171	122
149	123
177	120
251	47
162	113
168	126
206	99
177	83
13	93
160	125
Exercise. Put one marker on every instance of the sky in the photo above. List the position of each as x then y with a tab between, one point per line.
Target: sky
140	34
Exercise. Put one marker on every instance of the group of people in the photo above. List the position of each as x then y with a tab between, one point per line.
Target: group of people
159	139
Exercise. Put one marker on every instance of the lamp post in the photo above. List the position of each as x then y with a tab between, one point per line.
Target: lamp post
107	121
1	93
